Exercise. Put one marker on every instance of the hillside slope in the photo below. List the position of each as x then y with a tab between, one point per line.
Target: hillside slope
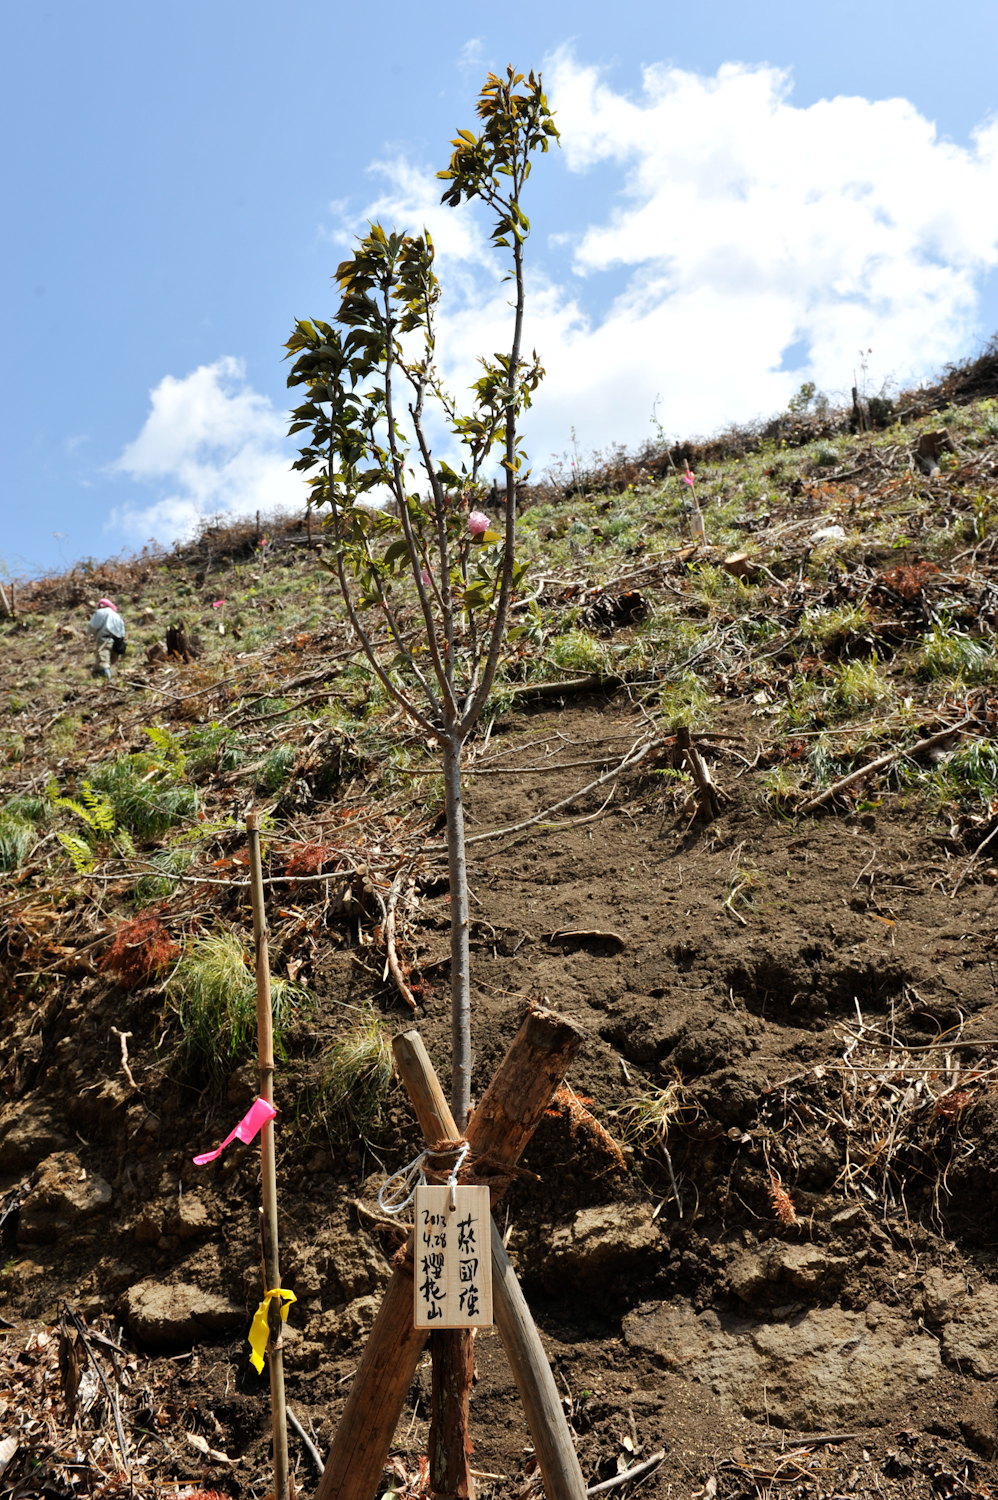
761	1232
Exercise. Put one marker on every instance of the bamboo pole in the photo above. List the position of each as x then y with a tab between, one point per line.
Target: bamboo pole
512	1108
556	1455
268	1162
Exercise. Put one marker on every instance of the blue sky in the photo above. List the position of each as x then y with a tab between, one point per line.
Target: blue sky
747	195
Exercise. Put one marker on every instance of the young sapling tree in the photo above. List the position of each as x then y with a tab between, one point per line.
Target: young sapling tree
429	561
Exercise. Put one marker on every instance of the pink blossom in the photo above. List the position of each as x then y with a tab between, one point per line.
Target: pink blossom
218	604
689	477
478	523
424	575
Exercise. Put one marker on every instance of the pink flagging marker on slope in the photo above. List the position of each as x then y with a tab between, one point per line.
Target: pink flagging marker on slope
256	1116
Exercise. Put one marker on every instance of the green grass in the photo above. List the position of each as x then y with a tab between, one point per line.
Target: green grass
579	651
836	628
151	887
213	991
966	782
949	653
277	767
18	837
686	703
29	807
211	749
357	1076
857	685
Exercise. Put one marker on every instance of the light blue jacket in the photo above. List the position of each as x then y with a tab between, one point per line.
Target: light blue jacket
107	622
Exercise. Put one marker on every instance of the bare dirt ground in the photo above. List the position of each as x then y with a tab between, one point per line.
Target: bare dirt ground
847	974
760	1234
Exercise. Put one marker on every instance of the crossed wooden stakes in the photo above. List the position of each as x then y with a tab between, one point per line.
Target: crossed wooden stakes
499	1130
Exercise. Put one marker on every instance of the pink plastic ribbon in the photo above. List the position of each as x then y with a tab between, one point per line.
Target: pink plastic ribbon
257	1115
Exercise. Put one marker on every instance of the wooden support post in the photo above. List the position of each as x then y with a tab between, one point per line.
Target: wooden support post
523	1086
553	1444
271	1251
452	1349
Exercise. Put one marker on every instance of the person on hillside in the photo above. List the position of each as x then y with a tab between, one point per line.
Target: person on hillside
109	629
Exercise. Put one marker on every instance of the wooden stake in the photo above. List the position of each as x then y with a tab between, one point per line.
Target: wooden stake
271	1256
452	1349
556	1455
708	796
513	1106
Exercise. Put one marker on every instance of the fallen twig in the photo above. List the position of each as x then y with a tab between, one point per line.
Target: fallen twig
633	758
977	852
817	1440
592	933
111	1400
628	1474
393	961
310	1447
595	683
881	764
123	1039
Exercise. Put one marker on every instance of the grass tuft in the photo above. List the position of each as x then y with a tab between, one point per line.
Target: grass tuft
356	1081
17	839
950	653
213	991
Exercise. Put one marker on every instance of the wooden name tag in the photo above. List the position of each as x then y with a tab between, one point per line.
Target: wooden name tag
453	1258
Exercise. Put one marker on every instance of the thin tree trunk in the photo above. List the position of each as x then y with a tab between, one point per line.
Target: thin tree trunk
460	977
453	1352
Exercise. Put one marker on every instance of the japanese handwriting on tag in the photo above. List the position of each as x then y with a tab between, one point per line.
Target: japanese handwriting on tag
453	1258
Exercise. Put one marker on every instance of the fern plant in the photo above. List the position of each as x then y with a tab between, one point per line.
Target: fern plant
96	811
81	854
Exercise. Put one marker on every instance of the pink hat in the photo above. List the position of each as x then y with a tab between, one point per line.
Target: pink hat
106	604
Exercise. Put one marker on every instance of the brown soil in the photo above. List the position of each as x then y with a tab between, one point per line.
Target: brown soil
844	928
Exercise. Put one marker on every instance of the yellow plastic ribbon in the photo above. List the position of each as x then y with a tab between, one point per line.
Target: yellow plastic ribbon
260	1327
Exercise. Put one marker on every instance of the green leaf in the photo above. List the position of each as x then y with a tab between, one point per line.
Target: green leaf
396	552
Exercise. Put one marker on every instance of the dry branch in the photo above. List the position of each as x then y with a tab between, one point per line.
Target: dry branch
393	961
633	758
709	795
628	1475
881	764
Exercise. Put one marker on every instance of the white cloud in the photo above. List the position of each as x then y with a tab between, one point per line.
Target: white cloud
472	53
210	445
742	225
751	224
